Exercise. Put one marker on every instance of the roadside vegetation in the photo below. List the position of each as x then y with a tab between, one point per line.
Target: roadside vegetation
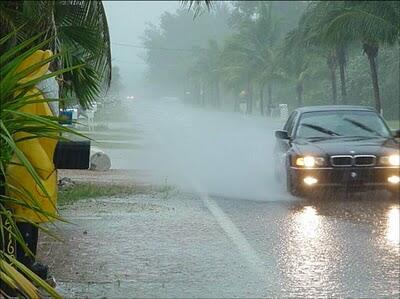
84	190
20	71
76	33
263	53
272	52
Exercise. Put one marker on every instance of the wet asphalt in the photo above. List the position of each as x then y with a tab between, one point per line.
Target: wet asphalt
227	229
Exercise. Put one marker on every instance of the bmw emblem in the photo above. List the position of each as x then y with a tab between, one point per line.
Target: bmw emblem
353	174
352	152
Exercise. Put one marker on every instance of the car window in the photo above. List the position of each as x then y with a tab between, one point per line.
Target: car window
290	123
341	123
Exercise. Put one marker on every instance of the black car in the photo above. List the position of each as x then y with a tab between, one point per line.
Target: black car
337	146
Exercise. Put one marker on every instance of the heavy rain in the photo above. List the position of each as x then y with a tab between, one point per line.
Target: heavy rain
206	149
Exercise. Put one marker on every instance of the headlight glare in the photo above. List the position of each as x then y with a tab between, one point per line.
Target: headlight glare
309	161
392	160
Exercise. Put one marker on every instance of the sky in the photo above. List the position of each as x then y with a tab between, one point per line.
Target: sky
127	21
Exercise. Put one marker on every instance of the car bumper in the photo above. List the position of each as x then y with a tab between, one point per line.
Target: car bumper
374	177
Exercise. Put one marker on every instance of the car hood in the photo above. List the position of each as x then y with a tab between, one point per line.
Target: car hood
346	146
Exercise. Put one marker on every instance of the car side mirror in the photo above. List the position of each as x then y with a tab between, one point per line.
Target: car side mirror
282	134
396	133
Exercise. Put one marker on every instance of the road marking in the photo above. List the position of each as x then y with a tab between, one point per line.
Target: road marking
266	269
256	264
234	234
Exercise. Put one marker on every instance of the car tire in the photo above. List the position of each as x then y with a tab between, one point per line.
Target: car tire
293	186
394	194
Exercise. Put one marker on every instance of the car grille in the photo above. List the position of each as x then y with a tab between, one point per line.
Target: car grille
342	161
347	161
367	160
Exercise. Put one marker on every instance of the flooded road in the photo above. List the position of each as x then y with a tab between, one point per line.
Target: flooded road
228	229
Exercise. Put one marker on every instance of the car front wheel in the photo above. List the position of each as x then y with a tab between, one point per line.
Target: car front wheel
395	194
293	186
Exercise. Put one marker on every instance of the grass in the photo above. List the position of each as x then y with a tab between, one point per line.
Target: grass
81	191
89	190
116	145
394	124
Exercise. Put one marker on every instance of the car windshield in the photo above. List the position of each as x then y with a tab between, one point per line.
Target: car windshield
341	124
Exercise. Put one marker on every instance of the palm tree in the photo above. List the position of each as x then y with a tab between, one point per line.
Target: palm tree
266	25
252	50
206	72
198	6
78	29
16	127
313	25
241	62
373	23
295	60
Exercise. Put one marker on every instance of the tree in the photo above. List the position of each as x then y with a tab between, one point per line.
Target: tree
295	61
207	71
20	71
373	23
169	57
253	49
78	29
240	64
312	25
197	5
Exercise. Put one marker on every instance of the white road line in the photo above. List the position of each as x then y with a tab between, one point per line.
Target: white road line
258	266
235	235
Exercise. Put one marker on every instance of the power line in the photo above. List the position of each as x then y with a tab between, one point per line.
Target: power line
155	48
131	62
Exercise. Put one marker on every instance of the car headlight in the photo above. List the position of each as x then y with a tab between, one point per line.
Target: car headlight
392	160
309	161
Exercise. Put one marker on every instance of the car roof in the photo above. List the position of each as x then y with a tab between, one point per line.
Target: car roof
334	108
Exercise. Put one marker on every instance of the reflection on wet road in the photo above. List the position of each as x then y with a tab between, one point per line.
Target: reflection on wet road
235	233
325	248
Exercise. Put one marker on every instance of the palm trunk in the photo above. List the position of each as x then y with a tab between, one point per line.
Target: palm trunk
249	97
343	83
372	53
203	99
341	57
334	86
262	109
331	62
198	102
217	94
299	91
236	103
269	88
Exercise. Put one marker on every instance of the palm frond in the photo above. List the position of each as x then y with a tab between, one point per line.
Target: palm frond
13	96
359	24
78	29
198	6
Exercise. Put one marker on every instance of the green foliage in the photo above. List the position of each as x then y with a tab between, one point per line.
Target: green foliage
174	46
14	96
376	22
89	190
198	6
300	53
78	30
